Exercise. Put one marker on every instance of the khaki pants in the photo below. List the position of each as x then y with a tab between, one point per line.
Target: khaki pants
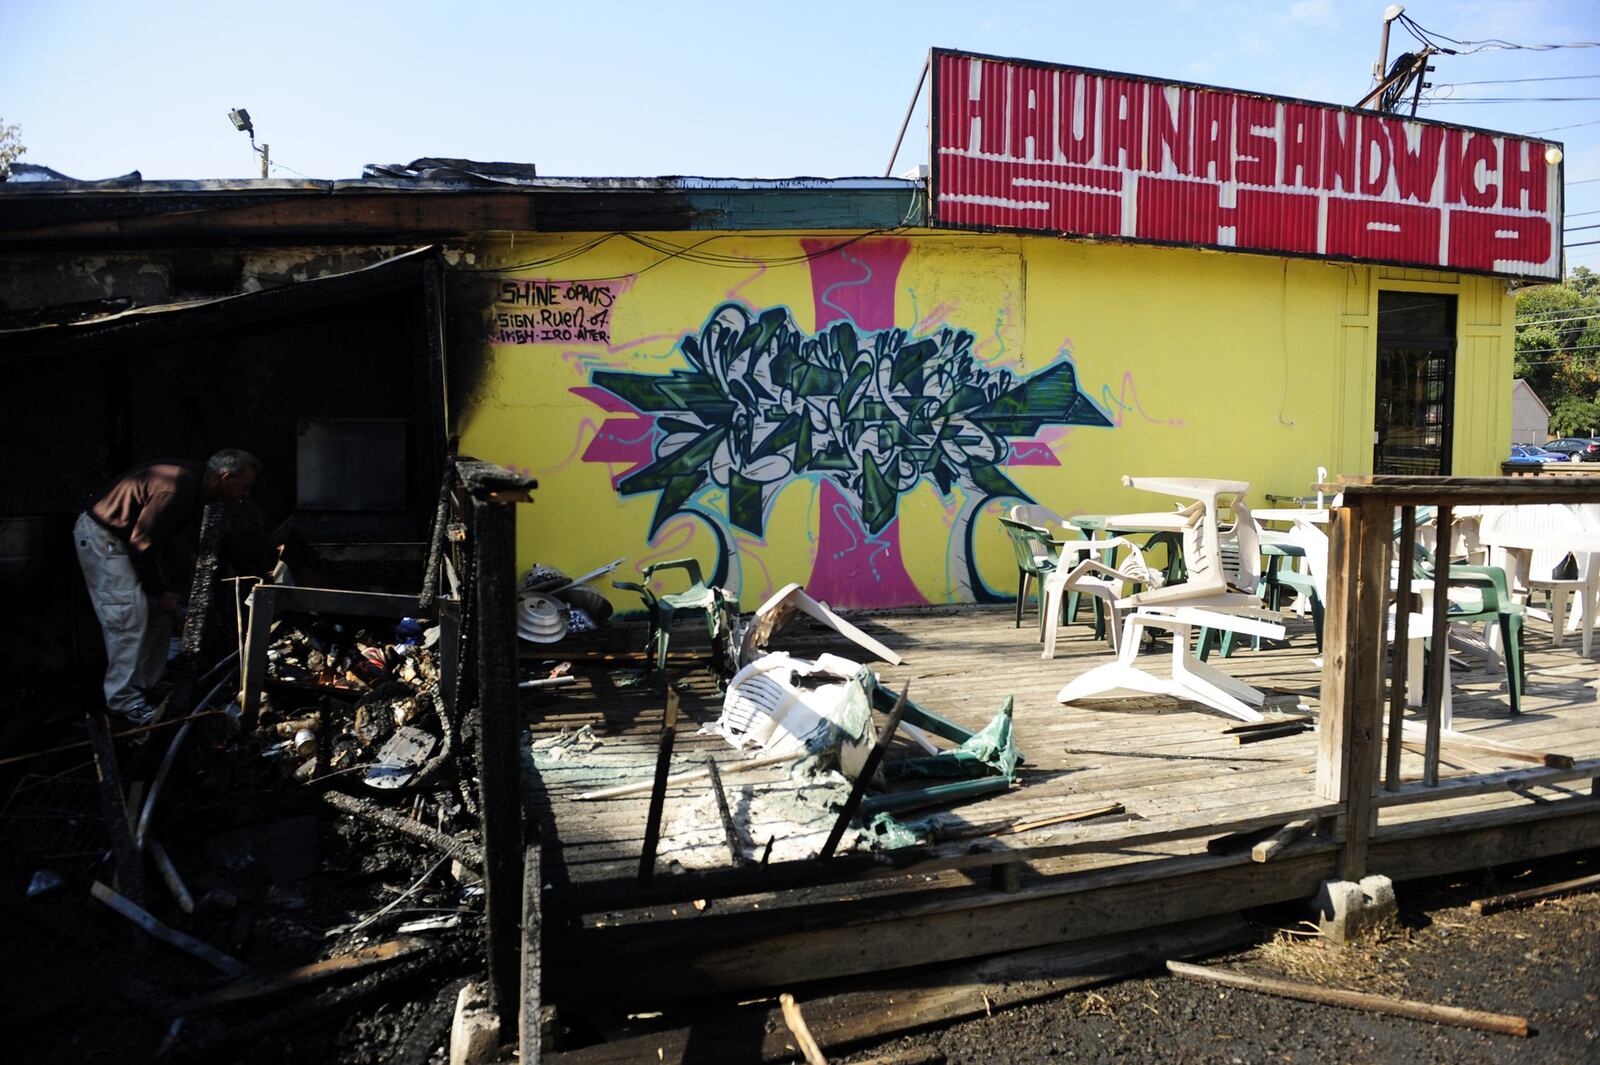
137	634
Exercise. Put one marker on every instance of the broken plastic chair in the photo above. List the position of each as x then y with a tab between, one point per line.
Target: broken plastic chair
787	603
985	763
716	603
1280	574
1210	598
1191	678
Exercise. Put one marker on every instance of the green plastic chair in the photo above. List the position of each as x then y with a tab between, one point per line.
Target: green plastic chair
1037	553
714	602
1494	603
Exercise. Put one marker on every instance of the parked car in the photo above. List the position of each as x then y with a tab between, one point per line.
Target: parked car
1577	448
1532	453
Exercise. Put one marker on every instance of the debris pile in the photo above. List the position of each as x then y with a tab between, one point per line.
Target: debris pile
337	654
809	723
378	708
551	606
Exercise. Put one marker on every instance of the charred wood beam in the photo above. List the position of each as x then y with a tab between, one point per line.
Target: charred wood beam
202	595
130	865
498	733
461	850
730	833
441	523
529	1024
658	790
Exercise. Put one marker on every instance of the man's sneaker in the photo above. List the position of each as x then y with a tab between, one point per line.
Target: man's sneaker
140	713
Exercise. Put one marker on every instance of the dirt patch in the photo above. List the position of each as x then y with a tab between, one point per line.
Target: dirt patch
1541	962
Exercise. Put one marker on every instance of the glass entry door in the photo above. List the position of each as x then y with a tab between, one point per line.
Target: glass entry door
1413	417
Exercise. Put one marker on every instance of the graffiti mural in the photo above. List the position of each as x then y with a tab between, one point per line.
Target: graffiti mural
870	414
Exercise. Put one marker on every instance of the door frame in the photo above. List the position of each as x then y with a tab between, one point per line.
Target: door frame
1436	288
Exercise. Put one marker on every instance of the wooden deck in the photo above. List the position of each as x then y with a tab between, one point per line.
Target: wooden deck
1184	783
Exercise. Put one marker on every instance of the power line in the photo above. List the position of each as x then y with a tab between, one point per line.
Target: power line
1581	244
1435	102
1581	325
1518	81
1547	351
1432	38
1564	312
1575	125
1557	325
1585	181
1577	314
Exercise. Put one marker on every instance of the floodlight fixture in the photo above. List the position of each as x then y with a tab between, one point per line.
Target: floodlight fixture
241	122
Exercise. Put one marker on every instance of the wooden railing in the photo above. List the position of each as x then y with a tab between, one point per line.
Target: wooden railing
1356	687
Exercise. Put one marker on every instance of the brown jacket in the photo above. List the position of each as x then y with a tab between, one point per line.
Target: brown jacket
149	508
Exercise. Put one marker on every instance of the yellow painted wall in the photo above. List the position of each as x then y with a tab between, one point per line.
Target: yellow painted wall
1205	364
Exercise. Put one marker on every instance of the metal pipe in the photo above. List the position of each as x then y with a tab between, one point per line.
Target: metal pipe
1402	644
889	170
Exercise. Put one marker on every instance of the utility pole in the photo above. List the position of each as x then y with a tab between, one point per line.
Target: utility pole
264	149
1380	69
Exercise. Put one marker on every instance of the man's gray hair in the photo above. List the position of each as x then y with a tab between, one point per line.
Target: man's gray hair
230	462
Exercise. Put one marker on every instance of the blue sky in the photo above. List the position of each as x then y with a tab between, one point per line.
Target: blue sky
727	89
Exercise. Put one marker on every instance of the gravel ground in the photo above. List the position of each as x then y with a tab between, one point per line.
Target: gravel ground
1541	962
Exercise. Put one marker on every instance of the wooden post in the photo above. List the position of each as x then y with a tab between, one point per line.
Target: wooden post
499	760
253	670
1439	664
1402	642
1352	673
729	832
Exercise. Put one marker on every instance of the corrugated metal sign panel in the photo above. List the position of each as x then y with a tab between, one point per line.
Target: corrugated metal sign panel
1056	149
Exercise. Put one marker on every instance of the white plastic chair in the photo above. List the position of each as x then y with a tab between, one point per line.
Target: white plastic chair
1101	580
1534	571
1036	514
1207	599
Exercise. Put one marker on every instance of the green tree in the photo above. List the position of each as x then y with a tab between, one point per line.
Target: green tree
1583	281
1558	343
1575	416
11	148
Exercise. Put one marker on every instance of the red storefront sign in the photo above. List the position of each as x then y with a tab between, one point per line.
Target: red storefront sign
1066	150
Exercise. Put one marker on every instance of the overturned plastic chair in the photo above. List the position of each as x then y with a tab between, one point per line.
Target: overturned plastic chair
716	603
1207	599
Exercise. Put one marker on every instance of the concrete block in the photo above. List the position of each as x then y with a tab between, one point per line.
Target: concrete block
1349	912
475	1035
